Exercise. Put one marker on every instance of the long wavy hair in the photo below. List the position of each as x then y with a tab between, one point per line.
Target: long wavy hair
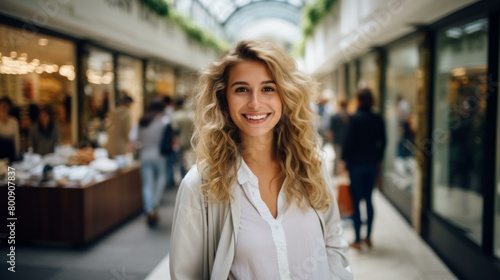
216	138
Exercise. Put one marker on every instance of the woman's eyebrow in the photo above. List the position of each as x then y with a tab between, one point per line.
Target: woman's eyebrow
239	83
245	83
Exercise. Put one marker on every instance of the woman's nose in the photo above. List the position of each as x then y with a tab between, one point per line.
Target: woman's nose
254	101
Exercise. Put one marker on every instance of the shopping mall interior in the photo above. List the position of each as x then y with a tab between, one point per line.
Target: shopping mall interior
76	211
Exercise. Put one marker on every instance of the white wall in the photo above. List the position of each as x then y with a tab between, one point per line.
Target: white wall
123	25
355	26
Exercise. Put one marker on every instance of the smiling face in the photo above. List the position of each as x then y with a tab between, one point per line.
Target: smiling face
254	102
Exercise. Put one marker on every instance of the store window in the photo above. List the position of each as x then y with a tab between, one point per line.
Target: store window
37	71
459	124
99	92
160	81
369	75
400	116
185	82
130	82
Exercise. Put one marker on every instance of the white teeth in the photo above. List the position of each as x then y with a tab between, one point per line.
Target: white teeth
255	117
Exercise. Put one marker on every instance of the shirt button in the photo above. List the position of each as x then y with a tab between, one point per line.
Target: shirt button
276	227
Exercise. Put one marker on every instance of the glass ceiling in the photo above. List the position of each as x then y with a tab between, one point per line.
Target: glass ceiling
232	19
222	10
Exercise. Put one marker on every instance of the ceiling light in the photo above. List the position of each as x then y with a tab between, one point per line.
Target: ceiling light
456	72
454	33
43	41
473	27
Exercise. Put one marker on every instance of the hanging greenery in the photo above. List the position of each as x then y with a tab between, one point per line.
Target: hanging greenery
312	14
158	6
199	35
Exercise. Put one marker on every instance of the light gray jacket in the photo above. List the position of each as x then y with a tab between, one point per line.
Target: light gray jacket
203	240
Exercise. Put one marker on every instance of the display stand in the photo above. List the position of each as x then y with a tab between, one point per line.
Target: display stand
75	215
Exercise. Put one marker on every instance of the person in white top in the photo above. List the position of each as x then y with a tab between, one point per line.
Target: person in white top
259	203
9	132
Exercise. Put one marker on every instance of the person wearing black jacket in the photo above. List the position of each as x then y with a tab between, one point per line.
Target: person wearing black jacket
363	153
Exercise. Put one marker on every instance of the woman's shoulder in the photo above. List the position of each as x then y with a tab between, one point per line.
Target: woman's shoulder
192	180
189	190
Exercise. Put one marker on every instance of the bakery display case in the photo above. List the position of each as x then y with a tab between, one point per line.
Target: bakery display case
57	203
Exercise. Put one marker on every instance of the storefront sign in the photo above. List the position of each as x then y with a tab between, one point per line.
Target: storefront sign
124	5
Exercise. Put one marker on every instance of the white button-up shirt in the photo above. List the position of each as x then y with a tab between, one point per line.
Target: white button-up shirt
290	246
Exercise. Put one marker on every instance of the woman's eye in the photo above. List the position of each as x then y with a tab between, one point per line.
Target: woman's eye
268	89
241	89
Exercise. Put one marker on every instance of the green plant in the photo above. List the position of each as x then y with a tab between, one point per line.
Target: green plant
161	8
158	6
198	34
312	14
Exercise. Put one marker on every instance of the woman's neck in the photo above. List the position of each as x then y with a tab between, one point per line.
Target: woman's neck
259	152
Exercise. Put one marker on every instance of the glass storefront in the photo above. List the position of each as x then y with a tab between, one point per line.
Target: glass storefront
99	92
37	71
130	82
160	81
400	117
101	81
459	116
185	82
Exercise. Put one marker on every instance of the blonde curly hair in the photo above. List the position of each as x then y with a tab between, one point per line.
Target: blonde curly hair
216	138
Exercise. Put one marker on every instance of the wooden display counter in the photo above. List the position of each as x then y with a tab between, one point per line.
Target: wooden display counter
75	215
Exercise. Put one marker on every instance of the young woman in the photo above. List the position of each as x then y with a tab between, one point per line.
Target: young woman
258	204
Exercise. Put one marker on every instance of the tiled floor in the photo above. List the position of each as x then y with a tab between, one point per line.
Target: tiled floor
397	253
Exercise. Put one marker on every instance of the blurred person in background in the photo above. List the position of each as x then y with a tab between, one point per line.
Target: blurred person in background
9	132
259	202
150	132
33	111
339	124
405	147
170	157
182	123
363	153
324	109
118	128
44	134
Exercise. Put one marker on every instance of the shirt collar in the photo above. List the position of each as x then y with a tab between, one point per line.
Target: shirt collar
245	174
